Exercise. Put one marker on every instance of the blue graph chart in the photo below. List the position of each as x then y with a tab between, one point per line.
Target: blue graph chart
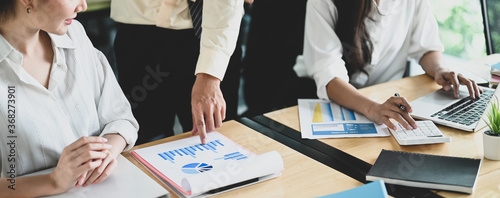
190	150
235	155
196	168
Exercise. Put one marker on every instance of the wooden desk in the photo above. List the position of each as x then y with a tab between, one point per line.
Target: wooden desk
464	144
302	177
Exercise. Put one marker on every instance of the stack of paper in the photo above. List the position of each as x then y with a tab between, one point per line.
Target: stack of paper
495	74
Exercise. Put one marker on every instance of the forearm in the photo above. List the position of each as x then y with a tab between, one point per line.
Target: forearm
33	186
431	63
118	143
346	95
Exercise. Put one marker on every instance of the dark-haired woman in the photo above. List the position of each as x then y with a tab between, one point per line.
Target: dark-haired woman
60	103
354	44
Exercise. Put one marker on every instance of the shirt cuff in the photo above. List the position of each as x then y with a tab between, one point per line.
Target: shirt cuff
126	129
322	79
419	54
326	71
212	62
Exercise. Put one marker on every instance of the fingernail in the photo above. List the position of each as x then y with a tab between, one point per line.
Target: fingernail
204	141
409	127
108	146
104	139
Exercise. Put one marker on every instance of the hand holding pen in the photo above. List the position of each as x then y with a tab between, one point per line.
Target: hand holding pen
395	108
402	107
402	104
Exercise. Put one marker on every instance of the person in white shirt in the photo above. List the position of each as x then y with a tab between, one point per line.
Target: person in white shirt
353	44
166	70
60	103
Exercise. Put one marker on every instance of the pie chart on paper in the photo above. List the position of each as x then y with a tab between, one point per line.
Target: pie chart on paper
196	168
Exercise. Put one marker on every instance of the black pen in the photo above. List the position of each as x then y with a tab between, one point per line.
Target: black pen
402	107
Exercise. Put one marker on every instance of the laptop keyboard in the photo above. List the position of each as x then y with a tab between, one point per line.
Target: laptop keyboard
465	111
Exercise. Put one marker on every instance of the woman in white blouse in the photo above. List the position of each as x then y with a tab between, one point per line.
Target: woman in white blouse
353	44
60	103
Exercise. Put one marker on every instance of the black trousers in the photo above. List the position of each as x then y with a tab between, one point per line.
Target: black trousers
275	39
156	72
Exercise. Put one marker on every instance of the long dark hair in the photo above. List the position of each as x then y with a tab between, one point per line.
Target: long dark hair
7	10
351	30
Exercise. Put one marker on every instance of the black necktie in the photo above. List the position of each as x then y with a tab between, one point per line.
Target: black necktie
195	8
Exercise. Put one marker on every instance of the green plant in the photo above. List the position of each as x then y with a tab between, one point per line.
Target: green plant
493	118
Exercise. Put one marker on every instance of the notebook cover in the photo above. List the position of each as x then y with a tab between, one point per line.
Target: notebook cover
428	171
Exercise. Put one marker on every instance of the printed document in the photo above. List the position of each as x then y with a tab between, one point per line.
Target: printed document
192	169
325	119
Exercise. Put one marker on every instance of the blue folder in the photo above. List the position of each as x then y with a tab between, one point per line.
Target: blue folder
374	189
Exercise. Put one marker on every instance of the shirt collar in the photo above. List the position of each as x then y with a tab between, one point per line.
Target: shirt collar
387	7
62	41
59	68
5	48
58	41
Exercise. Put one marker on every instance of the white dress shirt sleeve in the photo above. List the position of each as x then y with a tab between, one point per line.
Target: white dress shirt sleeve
220	28
322	47
425	34
114	111
141	12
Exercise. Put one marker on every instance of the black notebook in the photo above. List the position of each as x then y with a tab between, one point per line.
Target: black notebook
426	171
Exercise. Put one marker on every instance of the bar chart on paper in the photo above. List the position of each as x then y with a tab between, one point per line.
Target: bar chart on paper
188	156
191	150
235	155
325	119
211	148
326	112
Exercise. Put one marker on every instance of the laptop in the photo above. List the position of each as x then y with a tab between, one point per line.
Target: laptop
126	181
463	113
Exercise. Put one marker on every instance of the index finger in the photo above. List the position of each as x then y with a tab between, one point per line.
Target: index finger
408	119
203	134
471	86
402	116
199	121
406	114
455	83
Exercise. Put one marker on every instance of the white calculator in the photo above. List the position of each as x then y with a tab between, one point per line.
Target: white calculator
426	133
